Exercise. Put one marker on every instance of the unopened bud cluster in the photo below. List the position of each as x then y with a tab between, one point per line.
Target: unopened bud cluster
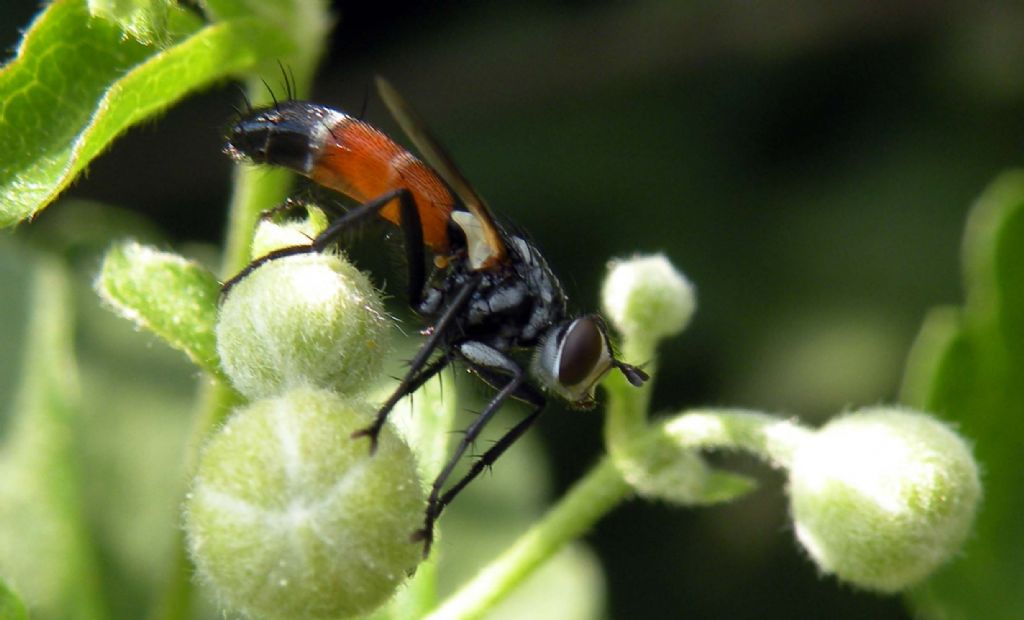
288	515
880	497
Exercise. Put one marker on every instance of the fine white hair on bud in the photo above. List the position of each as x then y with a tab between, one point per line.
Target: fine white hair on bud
883	496
309	319
646	296
290	517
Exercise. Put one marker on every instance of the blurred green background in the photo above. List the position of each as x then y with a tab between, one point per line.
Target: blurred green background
808	165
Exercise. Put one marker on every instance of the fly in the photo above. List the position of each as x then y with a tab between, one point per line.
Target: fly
490	296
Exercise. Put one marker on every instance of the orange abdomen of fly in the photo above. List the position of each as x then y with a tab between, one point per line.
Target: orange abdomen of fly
363	163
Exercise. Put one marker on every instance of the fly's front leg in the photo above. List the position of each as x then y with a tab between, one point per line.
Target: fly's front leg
410	226
409	383
498	370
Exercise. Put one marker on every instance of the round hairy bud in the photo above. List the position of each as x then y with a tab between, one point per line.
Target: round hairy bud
290	517
647	297
309	319
883	496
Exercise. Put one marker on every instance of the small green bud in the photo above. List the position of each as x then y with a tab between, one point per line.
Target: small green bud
884	496
310	319
289	517
646	296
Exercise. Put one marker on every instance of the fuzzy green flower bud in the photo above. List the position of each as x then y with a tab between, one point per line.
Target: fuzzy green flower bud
647	297
310	319
289	517
882	497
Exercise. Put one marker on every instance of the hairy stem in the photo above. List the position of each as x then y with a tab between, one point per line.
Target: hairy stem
768	437
626	410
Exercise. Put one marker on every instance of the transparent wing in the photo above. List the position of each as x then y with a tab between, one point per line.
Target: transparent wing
439	159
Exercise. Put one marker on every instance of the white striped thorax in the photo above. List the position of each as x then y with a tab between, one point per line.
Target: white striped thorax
573	358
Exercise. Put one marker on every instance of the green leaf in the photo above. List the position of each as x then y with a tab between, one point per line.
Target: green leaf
44	545
144	20
11	607
77	83
967	366
168	295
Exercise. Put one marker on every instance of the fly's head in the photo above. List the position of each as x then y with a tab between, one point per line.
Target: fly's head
574	357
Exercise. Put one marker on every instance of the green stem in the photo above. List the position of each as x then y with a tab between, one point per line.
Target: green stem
591	498
176	597
768	437
626	410
255	191
626	415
